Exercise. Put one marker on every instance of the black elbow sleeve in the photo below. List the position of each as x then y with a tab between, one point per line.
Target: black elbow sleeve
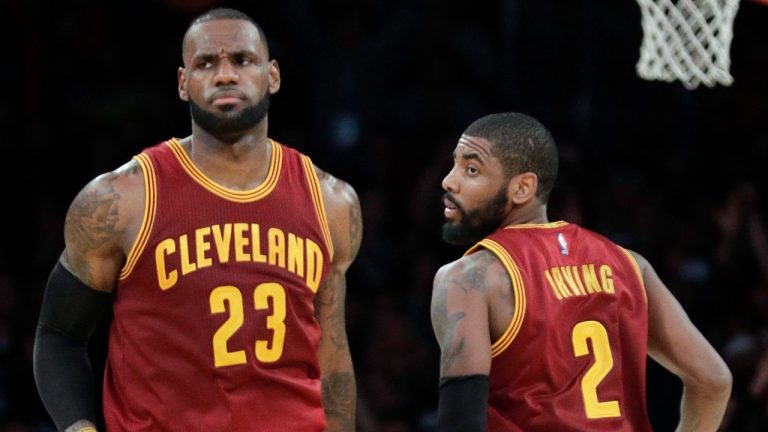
70	307
64	378
463	404
70	313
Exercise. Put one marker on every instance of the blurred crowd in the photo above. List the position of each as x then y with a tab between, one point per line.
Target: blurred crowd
377	92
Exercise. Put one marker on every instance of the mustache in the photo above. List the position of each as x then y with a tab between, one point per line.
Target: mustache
229	91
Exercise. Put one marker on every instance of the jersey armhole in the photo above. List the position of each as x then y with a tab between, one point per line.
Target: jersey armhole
518	288
317	199
148	218
638	272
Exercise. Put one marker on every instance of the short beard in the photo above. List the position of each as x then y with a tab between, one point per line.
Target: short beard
223	125
476	224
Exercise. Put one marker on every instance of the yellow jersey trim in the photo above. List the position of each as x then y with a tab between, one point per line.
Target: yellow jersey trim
259	192
317	199
637	271
518	287
555	224
148	219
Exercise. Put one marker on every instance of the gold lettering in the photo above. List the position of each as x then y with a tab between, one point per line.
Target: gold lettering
552	284
295	254
241	241
201	246
559	282
256	237
186	266
577	278
276	240
300	256
590	279
568	276
164	278
222	241
314	265
606	278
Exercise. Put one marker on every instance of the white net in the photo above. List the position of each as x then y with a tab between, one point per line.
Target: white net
688	40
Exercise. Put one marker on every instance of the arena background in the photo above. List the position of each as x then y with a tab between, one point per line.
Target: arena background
377	92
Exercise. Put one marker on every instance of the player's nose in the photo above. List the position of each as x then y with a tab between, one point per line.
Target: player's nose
449	182
225	73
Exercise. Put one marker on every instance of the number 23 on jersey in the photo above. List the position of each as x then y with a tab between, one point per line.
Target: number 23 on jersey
227	298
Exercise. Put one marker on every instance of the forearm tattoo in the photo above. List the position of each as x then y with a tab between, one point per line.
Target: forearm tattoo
339	399
355	225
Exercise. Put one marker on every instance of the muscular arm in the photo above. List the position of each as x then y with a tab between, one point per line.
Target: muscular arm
460	319
96	232
675	343
338	377
459	314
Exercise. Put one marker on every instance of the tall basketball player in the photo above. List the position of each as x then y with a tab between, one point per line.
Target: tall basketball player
223	257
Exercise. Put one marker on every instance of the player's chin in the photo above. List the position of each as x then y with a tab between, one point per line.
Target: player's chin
450	222
455	234
453	225
228	109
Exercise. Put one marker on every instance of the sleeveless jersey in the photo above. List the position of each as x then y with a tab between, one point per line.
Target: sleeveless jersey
214	326
573	358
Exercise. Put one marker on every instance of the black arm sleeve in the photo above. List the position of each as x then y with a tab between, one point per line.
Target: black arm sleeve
463	404
71	311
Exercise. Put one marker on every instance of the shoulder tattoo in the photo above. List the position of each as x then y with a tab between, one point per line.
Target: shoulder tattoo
469	275
93	217
92	221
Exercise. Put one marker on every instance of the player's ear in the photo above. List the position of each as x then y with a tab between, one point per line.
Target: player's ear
523	187
274	77
182	77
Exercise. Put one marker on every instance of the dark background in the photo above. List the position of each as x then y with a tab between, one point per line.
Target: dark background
377	92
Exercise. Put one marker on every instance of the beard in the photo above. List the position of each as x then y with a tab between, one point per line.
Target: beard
475	225
229	123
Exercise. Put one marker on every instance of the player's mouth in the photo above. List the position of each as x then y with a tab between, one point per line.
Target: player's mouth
451	207
227	97
226	101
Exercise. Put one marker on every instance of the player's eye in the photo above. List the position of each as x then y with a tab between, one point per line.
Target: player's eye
204	64
472	170
242	60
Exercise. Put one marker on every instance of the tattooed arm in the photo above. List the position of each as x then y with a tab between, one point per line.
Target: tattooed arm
462	324
338	377
101	223
460	313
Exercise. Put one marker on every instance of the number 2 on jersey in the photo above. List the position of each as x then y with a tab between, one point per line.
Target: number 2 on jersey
228	298
601	350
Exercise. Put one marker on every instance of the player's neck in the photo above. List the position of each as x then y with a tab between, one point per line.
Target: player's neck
528	214
238	162
234	144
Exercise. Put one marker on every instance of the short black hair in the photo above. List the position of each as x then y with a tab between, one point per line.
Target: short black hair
522	144
224	13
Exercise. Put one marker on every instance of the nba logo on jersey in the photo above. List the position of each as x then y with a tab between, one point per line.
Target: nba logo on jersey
563	244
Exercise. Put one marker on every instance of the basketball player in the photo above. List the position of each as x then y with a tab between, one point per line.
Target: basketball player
545	326
223	256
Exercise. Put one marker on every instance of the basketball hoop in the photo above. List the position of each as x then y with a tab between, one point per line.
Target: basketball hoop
688	40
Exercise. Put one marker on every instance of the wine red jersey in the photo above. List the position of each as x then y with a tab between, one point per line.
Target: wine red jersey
573	358
214	326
